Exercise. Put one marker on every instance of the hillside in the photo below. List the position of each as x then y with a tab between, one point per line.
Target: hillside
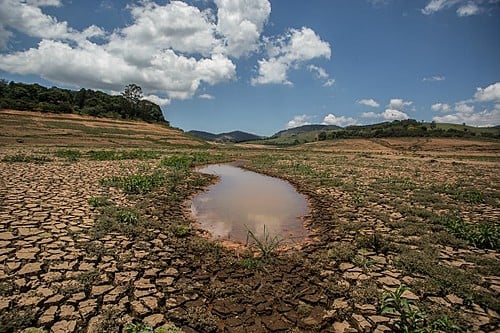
34	97
234	136
37	128
399	129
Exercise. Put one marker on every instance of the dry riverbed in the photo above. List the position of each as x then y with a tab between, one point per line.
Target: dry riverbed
90	242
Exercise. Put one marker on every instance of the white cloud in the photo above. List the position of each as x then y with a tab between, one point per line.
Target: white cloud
490	93
483	118
41	3
465	7
320	72
390	114
398	104
157	100
342	121
468	9
153	51
329	83
241	22
465	110
394	111
299	120
443	107
290	51
462	107
206	96
368	102
434	78
370	114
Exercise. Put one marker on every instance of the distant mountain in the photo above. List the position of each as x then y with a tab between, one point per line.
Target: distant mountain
305	129
235	136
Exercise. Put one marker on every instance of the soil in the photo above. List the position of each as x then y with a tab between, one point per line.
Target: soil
56	275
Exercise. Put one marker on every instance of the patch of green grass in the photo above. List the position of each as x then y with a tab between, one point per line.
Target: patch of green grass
69	155
98	201
117	219
250	263
22	158
113	155
180	230
484	235
135	184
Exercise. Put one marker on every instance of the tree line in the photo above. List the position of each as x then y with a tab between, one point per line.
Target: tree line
34	97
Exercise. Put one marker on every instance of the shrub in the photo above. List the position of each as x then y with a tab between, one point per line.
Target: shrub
69	155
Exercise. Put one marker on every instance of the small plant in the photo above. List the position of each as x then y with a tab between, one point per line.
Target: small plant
266	244
127	216
181	230
411	318
69	155
22	158
98	201
250	263
138	328
135	184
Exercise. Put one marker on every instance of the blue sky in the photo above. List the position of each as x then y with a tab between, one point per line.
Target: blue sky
260	65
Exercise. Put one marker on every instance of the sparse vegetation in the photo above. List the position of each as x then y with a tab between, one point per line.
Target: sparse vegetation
23	158
266	244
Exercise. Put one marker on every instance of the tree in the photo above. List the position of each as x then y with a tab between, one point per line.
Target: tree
133	95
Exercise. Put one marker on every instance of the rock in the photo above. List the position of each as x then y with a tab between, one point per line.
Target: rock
99	290
453	299
275	324
48	316
68	312
165	282
139	308
361	323
54	299
341	327
154	320
30	269
143	284
379	319
340	304
64	326
366	308
410	295
150	302
86	308
389	281
7	235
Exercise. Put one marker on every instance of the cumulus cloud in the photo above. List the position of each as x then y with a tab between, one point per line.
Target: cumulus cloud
299	120
241	22
289	51
157	100
206	96
167	50
465	7
465	111
342	121
434	78
368	102
329	83
490	93
484	118
393	111
443	107
398	104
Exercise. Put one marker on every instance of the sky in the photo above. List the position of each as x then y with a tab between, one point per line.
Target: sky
265	65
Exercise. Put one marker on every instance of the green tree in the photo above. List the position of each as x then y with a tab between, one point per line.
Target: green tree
132	95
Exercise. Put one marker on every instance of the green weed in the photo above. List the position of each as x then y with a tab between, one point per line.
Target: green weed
22	158
69	155
266	245
98	201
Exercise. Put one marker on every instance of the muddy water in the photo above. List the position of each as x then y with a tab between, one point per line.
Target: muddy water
243	200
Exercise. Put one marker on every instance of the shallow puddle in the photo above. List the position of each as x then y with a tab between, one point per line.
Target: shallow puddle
244	200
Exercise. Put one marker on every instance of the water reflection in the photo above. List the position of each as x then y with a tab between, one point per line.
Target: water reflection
244	199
